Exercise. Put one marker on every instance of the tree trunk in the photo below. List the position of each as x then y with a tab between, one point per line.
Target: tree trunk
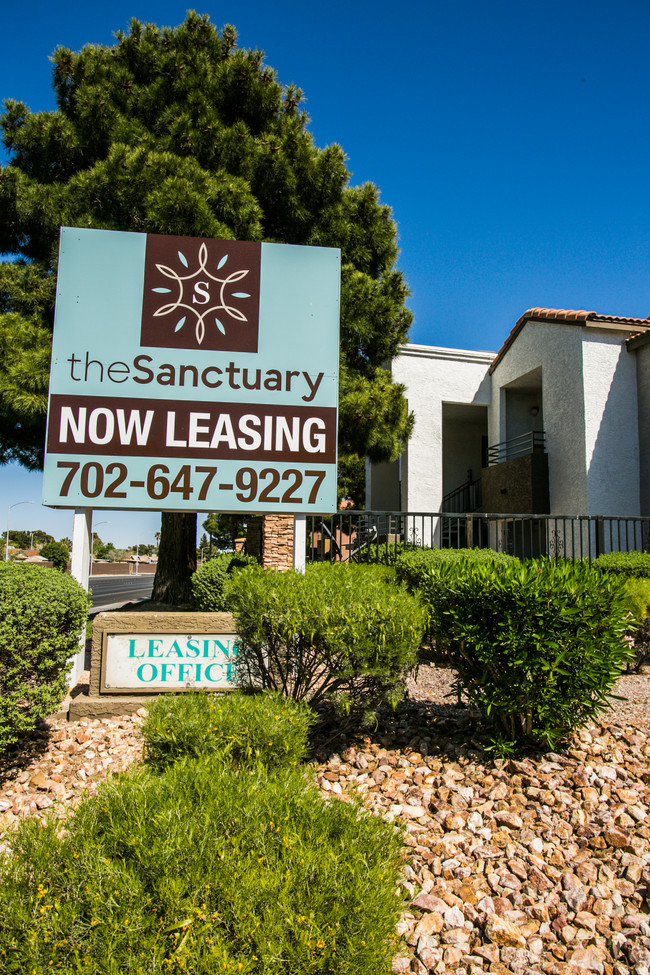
176	559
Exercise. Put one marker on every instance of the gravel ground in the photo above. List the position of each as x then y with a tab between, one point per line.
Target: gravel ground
540	865
434	684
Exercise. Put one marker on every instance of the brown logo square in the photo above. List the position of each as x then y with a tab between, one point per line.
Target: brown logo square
201	294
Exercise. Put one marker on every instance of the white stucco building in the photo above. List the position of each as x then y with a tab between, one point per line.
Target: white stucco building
556	422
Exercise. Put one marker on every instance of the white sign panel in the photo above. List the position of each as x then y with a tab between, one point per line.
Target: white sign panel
147	662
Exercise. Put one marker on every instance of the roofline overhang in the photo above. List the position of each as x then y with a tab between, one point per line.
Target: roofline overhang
439	352
585	319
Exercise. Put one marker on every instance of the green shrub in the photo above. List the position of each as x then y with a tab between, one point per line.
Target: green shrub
210	583
383	553
637	599
338	632
234	727
42	613
631	564
202	871
57	553
412	566
538	646
634	567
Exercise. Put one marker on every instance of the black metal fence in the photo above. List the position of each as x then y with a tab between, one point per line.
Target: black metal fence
373	536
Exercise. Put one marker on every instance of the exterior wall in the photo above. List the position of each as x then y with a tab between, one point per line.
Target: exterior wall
642	356
434	376
557	350
461	448
611	426
383	486
519	419
594	406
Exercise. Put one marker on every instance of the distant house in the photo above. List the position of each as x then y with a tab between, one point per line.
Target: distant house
26	555
556	422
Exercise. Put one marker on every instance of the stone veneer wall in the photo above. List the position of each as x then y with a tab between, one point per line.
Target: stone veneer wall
271	538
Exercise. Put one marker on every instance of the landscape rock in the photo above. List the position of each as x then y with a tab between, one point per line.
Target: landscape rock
503	933
539	864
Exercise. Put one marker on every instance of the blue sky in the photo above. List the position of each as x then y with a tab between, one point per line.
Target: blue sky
511	141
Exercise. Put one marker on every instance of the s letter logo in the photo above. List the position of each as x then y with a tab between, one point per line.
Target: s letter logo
201	294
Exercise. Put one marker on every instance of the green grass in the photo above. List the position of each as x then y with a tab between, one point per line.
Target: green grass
207	867
243	729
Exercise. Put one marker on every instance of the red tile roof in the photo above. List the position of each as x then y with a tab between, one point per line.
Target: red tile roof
638	339
570	316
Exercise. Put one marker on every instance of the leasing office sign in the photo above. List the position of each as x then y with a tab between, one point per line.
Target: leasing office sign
146	653
192	374
160	661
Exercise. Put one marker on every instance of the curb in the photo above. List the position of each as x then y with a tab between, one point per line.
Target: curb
109	607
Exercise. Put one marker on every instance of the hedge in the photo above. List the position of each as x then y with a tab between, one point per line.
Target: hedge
42	613
211	582
212	866
538	647
413	565
630	564
342	634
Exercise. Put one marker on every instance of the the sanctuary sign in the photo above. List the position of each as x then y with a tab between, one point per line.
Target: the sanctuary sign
192	374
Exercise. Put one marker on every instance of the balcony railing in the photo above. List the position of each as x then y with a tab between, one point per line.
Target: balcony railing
533	442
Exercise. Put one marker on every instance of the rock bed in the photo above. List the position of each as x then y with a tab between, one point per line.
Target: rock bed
61	762
535	865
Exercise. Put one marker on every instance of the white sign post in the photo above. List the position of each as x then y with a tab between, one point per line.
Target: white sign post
299	542
80	570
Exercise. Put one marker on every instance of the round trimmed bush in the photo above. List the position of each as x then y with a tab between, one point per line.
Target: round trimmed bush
538	647
203	870
343	634
237	729
210	583
42	613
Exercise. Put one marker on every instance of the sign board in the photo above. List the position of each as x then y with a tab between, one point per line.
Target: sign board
145	662
136	653
192	374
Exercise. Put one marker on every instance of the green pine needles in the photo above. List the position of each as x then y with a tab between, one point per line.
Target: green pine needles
179	131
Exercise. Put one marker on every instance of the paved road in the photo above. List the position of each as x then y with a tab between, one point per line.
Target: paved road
115	590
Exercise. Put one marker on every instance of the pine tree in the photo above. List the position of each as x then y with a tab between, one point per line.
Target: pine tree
178	131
